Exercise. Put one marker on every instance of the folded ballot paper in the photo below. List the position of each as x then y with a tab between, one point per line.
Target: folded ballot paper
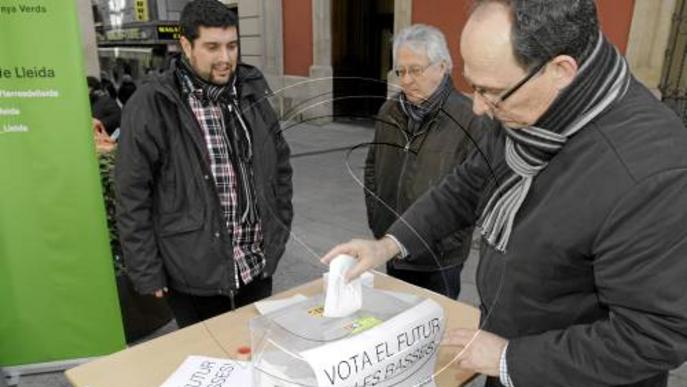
389	340
342	298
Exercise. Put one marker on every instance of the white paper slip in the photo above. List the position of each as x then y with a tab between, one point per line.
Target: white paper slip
267	306
201	371
367	279
342	298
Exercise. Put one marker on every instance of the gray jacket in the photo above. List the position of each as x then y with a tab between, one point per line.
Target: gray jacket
402	165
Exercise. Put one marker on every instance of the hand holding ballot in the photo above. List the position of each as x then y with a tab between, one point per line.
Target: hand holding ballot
369	254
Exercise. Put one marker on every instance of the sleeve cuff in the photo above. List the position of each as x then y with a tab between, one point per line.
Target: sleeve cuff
504	377
403	251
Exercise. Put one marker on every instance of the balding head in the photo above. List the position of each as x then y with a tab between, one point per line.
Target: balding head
514	58
542	29
486	44
489	23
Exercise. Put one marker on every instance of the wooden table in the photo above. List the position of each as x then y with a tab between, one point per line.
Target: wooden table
149	364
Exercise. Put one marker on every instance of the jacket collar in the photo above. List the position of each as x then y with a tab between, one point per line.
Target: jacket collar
396	114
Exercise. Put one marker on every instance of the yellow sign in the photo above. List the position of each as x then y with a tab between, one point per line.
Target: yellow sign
362	324
141	10
168	32
317	312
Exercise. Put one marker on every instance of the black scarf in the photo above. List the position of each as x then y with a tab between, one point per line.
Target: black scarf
602	79
238	133
427	108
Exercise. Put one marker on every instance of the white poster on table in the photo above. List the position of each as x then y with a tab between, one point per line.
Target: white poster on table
401	351
201	371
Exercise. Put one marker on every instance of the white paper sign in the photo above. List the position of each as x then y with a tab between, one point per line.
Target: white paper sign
401	351
201	371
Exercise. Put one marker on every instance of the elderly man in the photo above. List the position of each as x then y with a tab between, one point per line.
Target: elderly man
580	199
421	134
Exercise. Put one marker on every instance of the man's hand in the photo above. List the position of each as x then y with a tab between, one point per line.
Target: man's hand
369	254
480	351
160	293
103	142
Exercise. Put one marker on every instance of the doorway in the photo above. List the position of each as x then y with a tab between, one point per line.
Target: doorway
361	56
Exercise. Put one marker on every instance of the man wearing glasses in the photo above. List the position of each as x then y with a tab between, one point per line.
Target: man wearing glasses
422	133
580	198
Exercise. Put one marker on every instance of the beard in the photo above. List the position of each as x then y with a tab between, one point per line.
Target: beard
220	80
212	74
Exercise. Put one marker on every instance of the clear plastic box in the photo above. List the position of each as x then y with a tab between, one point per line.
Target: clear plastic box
392	339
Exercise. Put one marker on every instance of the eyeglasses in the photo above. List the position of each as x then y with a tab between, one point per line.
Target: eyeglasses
495	101
414	71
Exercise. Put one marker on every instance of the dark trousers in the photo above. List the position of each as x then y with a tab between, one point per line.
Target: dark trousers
444	281
189	309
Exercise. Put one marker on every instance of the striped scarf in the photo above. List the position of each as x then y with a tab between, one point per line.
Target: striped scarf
239	135
417	113
602	79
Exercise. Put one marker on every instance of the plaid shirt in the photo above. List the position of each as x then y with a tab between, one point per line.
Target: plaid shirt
249	258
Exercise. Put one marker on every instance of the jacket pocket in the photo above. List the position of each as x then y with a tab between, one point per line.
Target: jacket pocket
179	222
167	198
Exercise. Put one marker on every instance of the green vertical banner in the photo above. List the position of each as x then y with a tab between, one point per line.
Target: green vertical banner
58	299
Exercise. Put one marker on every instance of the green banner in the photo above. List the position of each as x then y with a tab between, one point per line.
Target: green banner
58	298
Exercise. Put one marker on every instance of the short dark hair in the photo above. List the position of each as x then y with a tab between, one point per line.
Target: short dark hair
543	29
206	13
93	83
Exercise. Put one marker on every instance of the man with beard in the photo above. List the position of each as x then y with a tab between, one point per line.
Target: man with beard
580	199
203	177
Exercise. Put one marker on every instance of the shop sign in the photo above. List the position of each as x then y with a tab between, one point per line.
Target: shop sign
168	32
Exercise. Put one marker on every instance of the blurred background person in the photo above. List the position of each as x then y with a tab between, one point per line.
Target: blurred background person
103	107
126	89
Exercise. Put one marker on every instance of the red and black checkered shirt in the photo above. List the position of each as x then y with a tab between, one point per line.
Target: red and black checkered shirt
247	239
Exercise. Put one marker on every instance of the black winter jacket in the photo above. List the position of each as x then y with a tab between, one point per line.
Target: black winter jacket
592	289
168	213
401	166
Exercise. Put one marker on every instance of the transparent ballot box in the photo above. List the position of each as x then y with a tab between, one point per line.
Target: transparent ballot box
391	341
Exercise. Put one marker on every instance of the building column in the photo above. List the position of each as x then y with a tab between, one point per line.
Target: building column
262	42
403	13
274	37
403	16
250	32
321	72
273	49
649	35
89	47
